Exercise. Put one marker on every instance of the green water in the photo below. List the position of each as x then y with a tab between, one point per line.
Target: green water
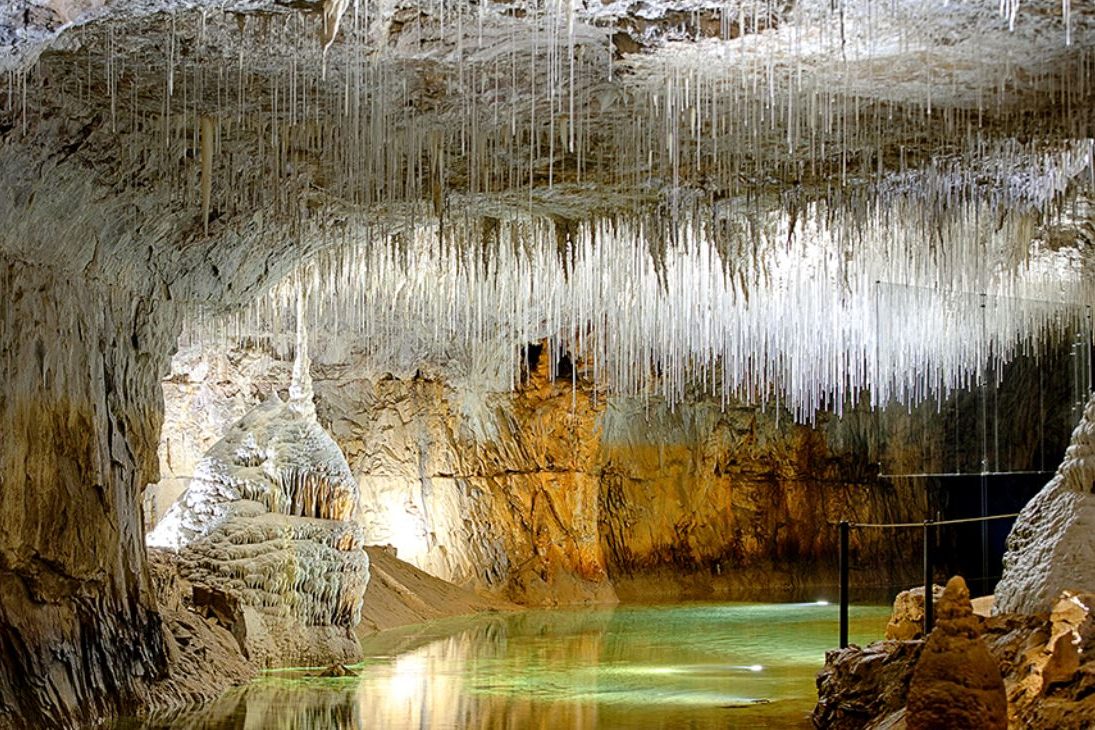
680	666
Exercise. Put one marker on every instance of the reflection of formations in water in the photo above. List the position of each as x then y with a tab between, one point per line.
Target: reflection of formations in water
700	666
471	678
273	704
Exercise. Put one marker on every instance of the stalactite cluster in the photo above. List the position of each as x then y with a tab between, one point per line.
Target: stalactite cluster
741	197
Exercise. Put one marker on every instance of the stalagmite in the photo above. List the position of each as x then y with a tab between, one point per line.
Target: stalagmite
267	519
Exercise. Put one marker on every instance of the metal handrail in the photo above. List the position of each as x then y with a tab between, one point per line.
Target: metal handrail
929	605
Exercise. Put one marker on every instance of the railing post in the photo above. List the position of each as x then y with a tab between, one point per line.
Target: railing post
929	603
844	583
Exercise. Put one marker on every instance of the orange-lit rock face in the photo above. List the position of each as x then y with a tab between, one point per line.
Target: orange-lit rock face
553	495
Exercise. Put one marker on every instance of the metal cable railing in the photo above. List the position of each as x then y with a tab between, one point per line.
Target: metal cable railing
845	528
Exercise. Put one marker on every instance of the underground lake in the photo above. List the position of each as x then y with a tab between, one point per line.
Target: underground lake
693	665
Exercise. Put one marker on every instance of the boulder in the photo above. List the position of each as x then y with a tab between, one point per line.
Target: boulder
907	619
864	685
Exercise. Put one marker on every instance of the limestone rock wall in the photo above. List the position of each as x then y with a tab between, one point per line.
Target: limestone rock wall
80	369
738	503
97	260
1051	547
551	495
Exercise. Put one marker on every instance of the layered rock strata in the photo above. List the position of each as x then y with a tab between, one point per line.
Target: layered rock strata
554	495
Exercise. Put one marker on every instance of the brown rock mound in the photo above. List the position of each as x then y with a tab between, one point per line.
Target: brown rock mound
956	683
860	686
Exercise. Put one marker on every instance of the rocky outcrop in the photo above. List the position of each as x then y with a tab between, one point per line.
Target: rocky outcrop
907	620
956	683
865	687
205	657
266	521
1051	547
93	270
298	583
1052	668
1046	662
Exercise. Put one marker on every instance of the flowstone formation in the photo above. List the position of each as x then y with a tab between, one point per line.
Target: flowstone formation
1051	547
265	531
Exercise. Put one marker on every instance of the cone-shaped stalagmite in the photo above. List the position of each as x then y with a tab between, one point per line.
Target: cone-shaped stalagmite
956	684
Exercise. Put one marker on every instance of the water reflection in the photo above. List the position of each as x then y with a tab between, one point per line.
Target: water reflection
695	666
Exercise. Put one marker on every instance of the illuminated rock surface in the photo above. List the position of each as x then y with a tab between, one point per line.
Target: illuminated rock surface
907	621
548	496
725	199
267	520
1051	548
1045	661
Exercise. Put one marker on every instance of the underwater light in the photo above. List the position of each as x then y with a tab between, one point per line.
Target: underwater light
755	668
821	602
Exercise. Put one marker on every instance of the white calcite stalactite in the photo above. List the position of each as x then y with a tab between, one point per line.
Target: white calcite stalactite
1051	548
333	10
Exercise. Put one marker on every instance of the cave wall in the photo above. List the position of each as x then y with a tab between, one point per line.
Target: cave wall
98	265
742	503
79	414
553	495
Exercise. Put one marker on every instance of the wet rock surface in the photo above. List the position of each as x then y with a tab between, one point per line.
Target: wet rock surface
206	655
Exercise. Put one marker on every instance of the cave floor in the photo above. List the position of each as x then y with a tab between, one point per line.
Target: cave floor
697	665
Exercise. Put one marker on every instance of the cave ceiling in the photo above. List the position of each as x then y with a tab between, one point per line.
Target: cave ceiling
211	146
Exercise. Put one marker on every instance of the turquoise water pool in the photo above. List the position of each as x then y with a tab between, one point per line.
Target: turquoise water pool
681	666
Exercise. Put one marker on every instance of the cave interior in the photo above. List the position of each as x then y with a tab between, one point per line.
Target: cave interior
538	304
